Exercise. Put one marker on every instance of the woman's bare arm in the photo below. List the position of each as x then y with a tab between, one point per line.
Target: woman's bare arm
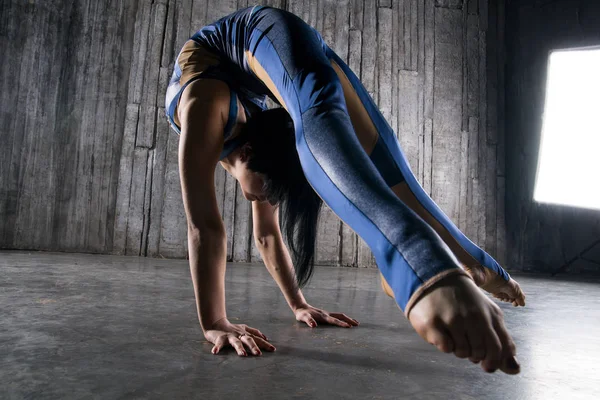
202	112
276	256
269	241
200	145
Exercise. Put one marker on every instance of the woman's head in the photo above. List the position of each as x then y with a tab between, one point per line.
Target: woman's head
273	172
252	183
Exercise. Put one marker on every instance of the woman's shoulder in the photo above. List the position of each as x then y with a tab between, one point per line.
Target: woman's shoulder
211	94
206	90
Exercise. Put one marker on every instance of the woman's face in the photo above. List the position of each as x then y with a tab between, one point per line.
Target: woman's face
252	184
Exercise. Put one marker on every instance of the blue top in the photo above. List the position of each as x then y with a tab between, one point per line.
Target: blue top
228	39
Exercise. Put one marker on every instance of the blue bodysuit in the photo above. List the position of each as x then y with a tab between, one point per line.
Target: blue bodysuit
349	153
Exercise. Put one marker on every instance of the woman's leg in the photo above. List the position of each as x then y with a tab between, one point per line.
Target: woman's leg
380	142
287	55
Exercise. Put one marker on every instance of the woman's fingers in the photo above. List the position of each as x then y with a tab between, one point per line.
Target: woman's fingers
334	321
263	344
251	344
240	337
219	343
306	317
344	317
311	315
255	332
237	345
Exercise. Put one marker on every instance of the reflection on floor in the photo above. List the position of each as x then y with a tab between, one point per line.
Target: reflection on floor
90	326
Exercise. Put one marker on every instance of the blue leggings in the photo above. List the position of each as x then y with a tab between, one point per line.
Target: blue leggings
353	160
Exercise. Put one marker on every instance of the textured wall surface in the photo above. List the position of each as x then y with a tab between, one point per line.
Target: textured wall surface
64	73
543	237
88	163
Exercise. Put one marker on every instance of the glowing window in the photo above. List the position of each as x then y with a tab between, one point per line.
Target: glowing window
569	162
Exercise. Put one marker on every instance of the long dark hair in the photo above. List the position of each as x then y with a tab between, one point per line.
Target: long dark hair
270	135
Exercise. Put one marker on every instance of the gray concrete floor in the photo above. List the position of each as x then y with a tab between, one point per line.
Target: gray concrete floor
89	326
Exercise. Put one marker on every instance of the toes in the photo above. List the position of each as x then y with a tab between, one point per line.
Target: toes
462	349
493	354
440	339
515	301
503	297
519	296
511	366
509	363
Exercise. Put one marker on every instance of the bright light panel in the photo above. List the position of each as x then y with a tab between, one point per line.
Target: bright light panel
569	162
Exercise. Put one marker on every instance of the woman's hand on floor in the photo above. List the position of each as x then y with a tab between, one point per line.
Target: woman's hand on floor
456	317
311	315
239	336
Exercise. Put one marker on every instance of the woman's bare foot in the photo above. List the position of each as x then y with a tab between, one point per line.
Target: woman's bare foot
456	317
494	284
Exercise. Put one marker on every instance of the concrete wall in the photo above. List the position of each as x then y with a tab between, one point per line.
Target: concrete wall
543	237
64	74
87	161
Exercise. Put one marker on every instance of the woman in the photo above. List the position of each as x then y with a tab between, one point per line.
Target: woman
334	146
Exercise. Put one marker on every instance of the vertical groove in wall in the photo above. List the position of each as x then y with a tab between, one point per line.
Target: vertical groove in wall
234	220
465	89
464	137
341	243
472	180
489	244
347	240
399	52
407	34
125	179
428	100
420	69
414	27
147	204
155	222
447	110
501	153
229	213
395	68
249	245
479	184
